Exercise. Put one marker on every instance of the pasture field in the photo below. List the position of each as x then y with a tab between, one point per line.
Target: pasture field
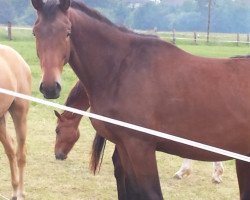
49	179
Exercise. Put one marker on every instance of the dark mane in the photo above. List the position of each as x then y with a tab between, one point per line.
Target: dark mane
97	15
90	12
51	6
49	9
73	99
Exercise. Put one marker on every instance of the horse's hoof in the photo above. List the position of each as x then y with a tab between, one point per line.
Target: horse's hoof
21	197
216	180
182	173
178	176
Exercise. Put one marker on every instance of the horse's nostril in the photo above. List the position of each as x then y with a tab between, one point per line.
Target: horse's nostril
58	86
50	91
41	88
60	156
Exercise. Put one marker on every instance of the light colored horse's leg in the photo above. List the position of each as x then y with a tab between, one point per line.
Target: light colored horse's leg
185	169
18	111
217	173
8	145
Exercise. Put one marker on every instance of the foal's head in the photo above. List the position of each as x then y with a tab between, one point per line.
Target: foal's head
67	134
52	30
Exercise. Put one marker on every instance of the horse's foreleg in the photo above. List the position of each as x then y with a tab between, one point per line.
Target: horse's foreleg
139	163
8	145
243	174
19	116
217	173
119	175
185	169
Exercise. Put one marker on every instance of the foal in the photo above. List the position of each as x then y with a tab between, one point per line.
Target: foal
16	76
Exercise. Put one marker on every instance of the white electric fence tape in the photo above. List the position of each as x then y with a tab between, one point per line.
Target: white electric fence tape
130	126
3	197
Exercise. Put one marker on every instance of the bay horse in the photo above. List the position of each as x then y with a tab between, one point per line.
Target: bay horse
150	83
67	134
218	169
67	131
16	76
185	168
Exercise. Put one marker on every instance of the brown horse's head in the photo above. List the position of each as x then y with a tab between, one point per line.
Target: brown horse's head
52	30
67	133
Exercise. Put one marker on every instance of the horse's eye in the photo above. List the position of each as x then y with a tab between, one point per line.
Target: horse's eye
34	34
69	33
57	131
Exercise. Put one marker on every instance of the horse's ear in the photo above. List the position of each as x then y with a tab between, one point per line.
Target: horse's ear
57	114
64	5
37	4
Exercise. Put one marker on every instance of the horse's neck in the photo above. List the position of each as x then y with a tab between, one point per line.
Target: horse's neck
78	103
97	48
72	116
78	97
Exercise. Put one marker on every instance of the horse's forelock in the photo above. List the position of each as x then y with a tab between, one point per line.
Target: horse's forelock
50	8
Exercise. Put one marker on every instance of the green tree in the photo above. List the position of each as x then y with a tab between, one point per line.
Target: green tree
147	16
27	18
231	16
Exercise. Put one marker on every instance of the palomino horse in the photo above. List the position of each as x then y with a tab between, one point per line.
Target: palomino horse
16	76
67	134
150	83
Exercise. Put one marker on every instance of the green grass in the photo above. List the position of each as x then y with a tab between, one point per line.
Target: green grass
47	178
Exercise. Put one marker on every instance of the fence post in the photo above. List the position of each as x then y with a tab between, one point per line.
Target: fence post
9	31
174	39
238	39
195	38
248	39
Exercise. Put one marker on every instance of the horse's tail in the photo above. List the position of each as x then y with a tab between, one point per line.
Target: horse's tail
98	147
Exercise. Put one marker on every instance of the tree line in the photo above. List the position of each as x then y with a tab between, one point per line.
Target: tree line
164	15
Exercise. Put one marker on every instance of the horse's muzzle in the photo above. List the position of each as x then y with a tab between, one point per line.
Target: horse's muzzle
52	92
60	156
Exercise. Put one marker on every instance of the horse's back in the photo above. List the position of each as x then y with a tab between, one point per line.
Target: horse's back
15	69
15	75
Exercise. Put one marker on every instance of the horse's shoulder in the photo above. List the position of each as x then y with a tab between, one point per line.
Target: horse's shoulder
12	56
7	49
